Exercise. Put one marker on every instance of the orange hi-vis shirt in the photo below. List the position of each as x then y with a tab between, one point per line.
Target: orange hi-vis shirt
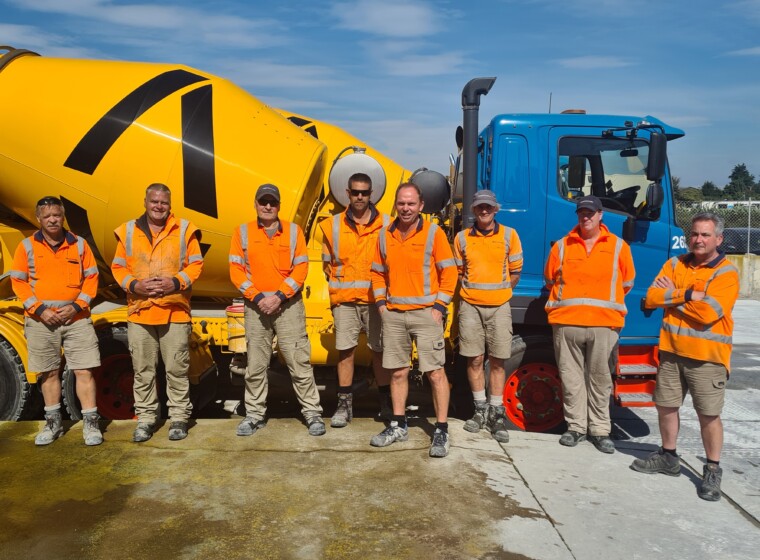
587	289
486	262
413	273
175	252
700	330
46	278
347	250
262	266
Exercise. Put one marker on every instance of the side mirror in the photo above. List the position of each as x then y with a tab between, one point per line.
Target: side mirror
658	155
654	199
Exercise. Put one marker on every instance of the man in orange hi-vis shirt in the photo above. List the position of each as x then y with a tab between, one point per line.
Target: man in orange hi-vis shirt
268	264
55	276
698	291
414	275
588	273
158	257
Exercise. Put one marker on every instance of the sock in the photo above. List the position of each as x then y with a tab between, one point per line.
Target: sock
52	407
670	452
400	420
344	390
89	410
443	426
711	462
496	400
479	397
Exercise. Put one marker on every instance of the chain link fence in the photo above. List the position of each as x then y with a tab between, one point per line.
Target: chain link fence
742	223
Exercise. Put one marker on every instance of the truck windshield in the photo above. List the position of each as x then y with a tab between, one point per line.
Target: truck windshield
614	169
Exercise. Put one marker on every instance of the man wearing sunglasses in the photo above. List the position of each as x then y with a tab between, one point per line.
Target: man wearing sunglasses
348	247
55	276
268	264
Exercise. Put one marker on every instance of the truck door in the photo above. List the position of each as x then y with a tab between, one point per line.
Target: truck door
614	169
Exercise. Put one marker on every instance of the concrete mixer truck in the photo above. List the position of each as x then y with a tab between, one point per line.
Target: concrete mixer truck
96	133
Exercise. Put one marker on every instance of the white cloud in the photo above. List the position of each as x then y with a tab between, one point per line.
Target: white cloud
391	18
261	73
752	51
33	39
594	62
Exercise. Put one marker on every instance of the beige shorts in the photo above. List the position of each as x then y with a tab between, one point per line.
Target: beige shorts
705	381
79	341
351	319
401	327
482	327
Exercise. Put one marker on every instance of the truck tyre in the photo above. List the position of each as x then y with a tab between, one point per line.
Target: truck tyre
18	399
533	390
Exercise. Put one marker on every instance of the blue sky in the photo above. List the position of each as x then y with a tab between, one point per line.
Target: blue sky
391	72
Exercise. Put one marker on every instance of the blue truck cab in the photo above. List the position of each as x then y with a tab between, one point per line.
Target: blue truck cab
538	165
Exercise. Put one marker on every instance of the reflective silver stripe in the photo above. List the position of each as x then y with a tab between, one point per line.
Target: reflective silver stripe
386	220
18	275
590	302
515	257
237	260
292	283
301	259
382	244
244	286
668	297
119	261
293	239
722	270
244	246
56	302
379	293
480	286
183	225
185	278
358	284
326	258
379	268
84	297
505	266
615	269
428	258
459	262
126	282
413	300
673	262
338	272
560	280
704	335
445	298
128	240
628	284
194	258
90	271
80	251
29	302
27	243
713	303
445	263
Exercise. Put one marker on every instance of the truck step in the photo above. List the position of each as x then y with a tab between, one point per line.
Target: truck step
638	369
640	399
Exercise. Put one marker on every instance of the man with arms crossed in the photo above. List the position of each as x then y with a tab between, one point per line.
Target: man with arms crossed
698	291
413	278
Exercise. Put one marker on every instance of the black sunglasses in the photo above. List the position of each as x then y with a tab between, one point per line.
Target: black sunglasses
358	192
269	202
49	201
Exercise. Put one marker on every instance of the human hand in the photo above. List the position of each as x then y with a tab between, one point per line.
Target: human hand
664	282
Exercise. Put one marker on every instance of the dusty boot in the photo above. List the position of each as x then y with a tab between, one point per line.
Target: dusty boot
497	423
91	429
53	428
344	412
478	419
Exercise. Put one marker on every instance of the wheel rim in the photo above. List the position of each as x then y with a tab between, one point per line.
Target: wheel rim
114	380
533	397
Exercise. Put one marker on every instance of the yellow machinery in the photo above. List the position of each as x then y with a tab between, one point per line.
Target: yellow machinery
96	134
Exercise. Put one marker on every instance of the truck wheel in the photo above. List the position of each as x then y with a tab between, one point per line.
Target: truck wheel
533	391
113	382
18	399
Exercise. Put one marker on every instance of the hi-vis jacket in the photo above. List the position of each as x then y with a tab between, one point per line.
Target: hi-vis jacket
260	266
487	261
700	330
416	272
347	250
175	252
588	289
44	278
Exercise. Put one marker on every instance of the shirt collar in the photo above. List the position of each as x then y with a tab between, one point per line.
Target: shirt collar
394	226
68	237
689	259
373	214
279	224
475	230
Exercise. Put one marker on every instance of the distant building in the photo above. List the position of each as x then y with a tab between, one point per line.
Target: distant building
725	204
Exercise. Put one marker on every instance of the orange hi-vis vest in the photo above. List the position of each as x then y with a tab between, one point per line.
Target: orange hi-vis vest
588	289
348	249
487	261
700	330
416	272
262	266
43	278
174	252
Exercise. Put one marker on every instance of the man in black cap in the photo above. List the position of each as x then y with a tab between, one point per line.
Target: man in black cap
268	264
588	273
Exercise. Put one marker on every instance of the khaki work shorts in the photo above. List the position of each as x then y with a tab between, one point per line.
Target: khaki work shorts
401	327
482	327
79	341
705	381
351	319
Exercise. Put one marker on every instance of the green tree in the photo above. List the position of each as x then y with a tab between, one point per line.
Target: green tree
741	183
690	194
710	191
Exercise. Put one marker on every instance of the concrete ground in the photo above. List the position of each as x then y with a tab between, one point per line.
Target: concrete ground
284	494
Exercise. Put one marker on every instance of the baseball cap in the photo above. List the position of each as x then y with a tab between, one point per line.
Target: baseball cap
590	202
484	197
268	189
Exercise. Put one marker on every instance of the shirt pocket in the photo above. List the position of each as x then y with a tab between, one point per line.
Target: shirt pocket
284	263
73	268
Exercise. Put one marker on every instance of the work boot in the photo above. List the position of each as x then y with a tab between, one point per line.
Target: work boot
249	426
478	419
53	428
602	443
497	423
658	462
571	438
344	412
439	447
91	429
389	435
710	488
177	430
316	426
143	432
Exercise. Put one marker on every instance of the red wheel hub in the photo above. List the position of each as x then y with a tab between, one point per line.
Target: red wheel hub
533	397
114	379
